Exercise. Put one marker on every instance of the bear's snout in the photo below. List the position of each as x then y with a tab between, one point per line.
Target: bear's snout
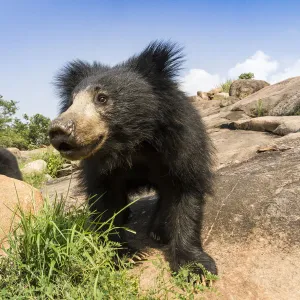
61	134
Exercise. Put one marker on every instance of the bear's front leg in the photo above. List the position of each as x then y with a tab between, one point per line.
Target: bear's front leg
185	225
105	208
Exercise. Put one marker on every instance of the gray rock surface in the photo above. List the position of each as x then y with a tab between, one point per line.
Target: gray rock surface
281	99
277	125
242	88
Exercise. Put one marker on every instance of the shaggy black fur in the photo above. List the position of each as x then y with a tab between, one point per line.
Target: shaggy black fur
157	139
9	165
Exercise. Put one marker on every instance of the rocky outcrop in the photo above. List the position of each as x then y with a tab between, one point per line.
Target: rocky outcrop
202	95
213	92
244	87
281	99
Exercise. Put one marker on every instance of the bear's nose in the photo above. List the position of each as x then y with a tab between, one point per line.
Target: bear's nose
60	134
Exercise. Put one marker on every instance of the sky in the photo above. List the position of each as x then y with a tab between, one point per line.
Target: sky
221	40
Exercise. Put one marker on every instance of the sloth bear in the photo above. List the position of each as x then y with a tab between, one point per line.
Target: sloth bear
9	165
133	127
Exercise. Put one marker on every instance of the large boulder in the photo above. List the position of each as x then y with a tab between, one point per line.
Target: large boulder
280	99
14	194
251	226
242	88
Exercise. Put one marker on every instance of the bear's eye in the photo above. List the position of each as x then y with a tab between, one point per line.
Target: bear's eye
101	98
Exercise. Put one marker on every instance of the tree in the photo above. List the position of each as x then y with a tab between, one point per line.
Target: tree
7	109
30	133
246	76
38	126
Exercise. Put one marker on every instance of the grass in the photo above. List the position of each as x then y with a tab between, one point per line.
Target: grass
226	85
35	180
260	111
58	254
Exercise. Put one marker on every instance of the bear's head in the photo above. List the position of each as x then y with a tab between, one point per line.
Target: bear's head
113	108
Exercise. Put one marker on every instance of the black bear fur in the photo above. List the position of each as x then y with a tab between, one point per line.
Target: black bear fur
156	139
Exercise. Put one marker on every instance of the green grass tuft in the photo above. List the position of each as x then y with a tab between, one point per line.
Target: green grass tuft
57	255
225	86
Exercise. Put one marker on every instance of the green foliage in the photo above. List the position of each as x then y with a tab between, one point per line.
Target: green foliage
11	138
35	180
7	110
37	127
57	255
226	85
54	162
246	76
260	108
28	134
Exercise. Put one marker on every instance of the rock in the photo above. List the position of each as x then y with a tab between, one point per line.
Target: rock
229	101
29	154
66	166
14	193
202	95
234	146
65	171
277	125
212	92
76	164
36	167
195	98
242	88
280	99
15	151
69	168
220	96
48	177
67	187
207	108
38	153
252	225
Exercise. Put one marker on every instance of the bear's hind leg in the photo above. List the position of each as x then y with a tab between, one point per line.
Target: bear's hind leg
157	229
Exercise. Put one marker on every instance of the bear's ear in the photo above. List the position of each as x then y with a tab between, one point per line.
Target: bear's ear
159	62
70	76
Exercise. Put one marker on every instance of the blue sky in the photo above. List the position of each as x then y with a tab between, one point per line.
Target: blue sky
221	40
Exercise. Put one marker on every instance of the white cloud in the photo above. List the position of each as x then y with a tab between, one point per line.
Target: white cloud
289	72
260	64
263	66
199	80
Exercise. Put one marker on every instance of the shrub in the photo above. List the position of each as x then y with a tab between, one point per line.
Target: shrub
226	85
246	76
54	162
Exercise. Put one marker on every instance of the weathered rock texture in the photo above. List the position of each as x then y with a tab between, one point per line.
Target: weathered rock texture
281	99
244	87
